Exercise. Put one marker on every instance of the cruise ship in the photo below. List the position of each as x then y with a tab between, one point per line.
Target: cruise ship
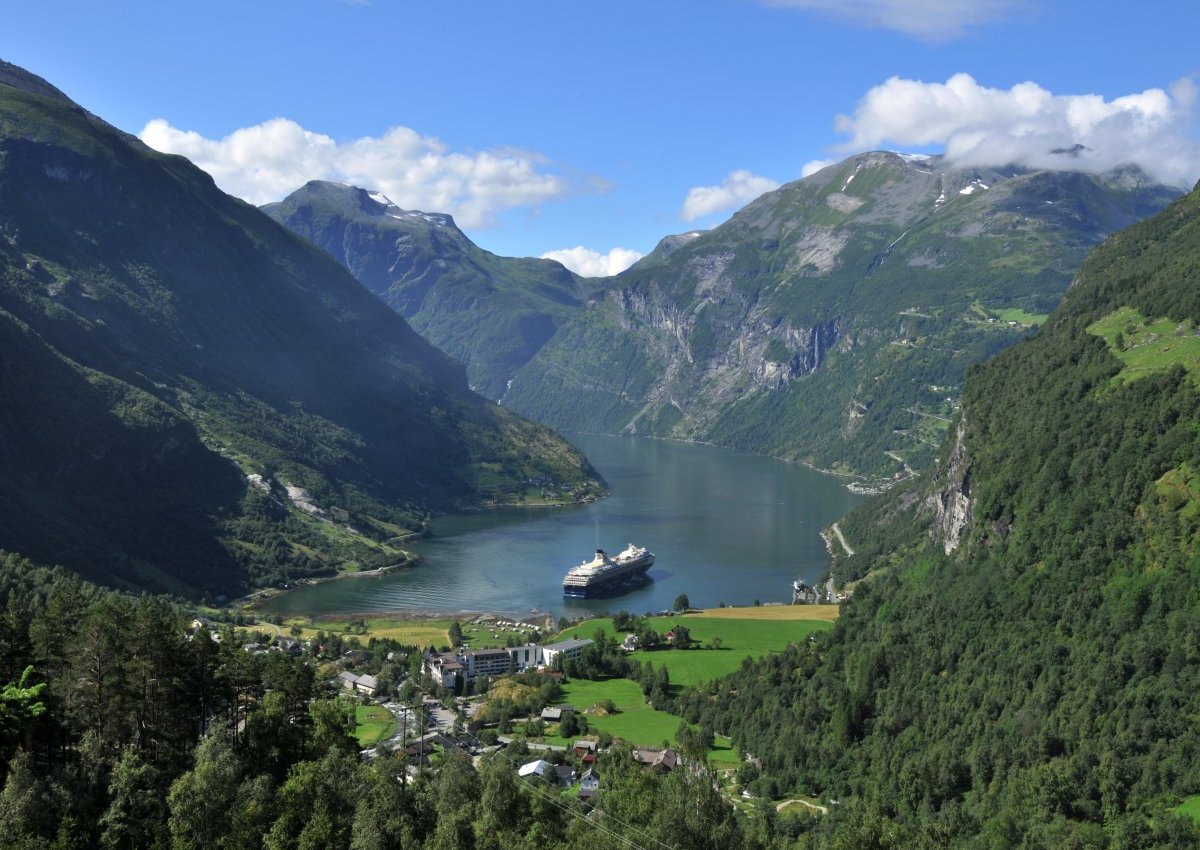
603	575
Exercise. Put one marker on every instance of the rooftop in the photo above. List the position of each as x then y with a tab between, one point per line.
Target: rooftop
567	645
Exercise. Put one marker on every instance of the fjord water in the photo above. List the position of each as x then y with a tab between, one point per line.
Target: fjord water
725	526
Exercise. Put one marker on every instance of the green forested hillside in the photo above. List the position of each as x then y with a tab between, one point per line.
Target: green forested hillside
1038	686
194	398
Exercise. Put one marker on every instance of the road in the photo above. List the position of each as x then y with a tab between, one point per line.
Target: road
841	539
531	744
441	718
822	809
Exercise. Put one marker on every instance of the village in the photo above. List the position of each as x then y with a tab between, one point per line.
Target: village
435	729
496	686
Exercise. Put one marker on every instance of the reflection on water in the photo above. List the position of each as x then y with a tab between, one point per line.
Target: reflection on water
725	526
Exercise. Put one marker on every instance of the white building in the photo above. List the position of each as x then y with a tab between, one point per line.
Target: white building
589	784
444	668
469	664
485	662
367	684
524	657
568	649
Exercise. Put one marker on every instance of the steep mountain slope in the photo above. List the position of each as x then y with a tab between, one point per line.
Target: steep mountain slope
492	313
192	396
666	246
1022	668
831	320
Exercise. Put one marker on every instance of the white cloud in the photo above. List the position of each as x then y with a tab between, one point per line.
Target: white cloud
932	20
815	165
265	162
1024	125
589	263
736	190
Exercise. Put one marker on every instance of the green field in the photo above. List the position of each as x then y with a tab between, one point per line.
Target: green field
489	635
1008	314
1146	345
414	632
1190	807
635	721
373	723
739	639
1015	314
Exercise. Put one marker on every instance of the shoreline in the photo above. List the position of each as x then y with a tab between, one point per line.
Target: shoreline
426	615
857	477
253	600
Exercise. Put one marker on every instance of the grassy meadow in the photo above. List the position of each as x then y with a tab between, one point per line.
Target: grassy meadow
372	724
1146	345
1190	807
415	632
635	721
742	632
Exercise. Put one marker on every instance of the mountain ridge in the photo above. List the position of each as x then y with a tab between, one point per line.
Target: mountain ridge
231	349
830	321
490	312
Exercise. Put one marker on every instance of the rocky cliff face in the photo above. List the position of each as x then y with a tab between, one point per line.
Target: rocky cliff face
830	321
950	501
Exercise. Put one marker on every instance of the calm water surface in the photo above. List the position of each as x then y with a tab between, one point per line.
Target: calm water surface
726	526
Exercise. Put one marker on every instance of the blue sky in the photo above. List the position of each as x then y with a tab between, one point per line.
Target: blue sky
545	126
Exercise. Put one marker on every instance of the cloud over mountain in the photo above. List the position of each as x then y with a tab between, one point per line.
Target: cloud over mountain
1030	126
736	190
588	263
267	161
815	165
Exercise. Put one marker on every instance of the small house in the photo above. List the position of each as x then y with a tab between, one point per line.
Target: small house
584	747
660	760
534	768
367	685
589	784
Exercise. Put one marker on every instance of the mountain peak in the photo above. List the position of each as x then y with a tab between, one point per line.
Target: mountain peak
358	203
490	312
384	206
